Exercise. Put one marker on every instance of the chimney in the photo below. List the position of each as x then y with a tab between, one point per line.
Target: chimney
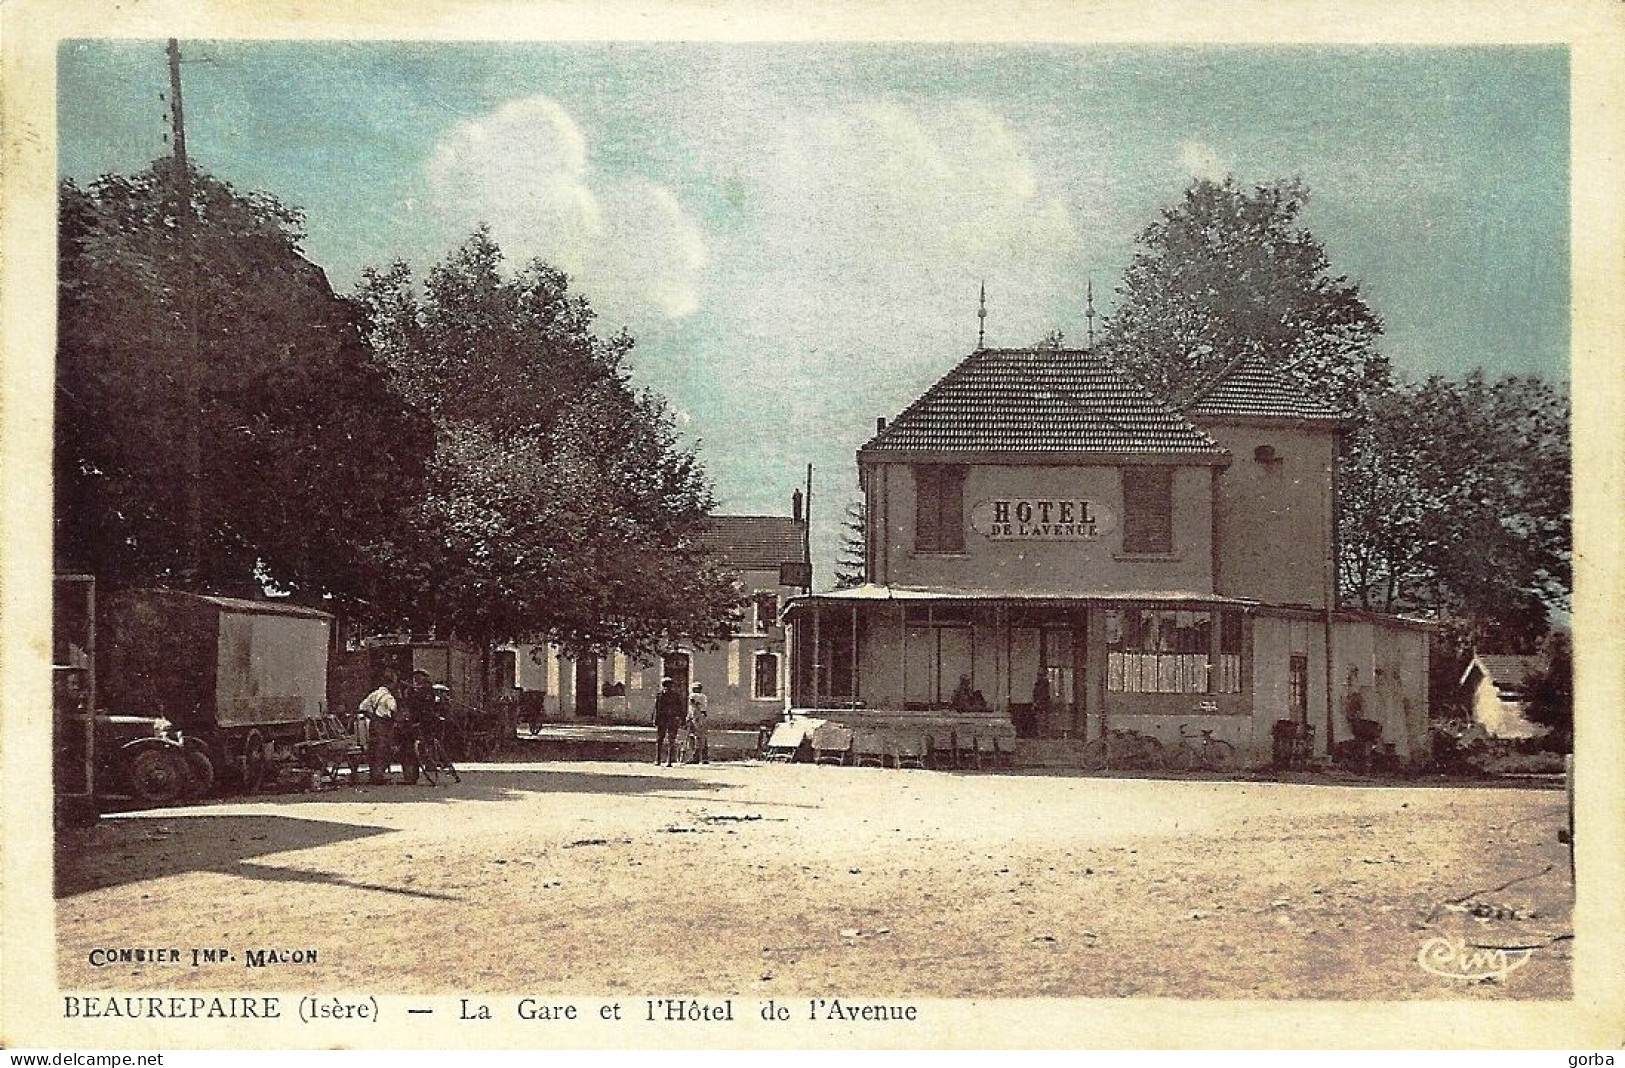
880	424
795	506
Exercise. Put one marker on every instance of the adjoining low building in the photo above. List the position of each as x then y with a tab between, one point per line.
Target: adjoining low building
1081	557
746	677
1498	686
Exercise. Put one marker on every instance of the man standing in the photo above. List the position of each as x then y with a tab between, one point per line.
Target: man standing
416	709
699	708
668	721
379	708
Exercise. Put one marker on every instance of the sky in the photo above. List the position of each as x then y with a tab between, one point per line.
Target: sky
795	234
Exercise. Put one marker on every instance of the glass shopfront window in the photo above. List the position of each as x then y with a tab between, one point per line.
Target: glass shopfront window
1165	650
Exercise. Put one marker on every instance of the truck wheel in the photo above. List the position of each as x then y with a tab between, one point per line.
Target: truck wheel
255	764
158	775
200	764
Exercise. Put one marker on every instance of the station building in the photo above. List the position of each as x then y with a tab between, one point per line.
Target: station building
1084	557
746	677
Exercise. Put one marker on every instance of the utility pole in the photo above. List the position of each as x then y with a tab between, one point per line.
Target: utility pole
192	449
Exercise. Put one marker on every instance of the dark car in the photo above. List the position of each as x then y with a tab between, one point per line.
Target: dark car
142	756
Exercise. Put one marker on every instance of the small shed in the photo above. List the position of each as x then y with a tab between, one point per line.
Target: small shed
1498	688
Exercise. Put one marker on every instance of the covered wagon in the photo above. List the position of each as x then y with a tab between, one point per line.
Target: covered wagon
245	681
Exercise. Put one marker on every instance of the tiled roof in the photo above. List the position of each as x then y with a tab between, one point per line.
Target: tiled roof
754	542
1040	400
1250	388
1509	671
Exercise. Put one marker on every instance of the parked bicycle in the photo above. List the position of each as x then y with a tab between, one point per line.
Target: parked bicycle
429	750
1204	753
1128	749
688	745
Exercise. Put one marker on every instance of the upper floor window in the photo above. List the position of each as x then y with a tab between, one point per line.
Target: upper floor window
1148	509
939	508
767	611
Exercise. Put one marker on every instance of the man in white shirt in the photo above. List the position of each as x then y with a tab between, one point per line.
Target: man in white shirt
379	708
699	707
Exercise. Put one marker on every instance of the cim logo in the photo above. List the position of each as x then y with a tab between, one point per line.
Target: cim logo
1041	519
1454	958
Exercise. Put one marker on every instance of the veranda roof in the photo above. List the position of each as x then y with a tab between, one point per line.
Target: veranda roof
874	593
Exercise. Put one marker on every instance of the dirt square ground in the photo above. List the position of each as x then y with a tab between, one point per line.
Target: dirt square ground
753	879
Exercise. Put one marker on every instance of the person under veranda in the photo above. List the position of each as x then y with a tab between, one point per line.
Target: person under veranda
378	709
668	720
1040	708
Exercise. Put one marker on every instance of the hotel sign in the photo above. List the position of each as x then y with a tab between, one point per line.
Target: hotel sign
1041	519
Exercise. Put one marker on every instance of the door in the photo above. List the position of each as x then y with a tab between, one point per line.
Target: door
586	686
675	666
1061	668
1298	694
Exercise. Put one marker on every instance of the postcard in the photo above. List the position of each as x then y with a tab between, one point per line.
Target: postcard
681	526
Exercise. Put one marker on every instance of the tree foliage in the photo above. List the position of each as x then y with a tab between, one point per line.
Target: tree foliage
1459	497
851	565
560	503
304	444
1229	272
1454	495
1550	696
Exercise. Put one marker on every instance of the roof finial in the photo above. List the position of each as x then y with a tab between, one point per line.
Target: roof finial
981	319
1089	310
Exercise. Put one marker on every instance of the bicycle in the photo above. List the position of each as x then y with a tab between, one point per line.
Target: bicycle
1123	749
1204	754
688	744
430	753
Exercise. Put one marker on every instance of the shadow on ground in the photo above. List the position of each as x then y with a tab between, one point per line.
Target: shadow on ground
498	782
150	844
119	851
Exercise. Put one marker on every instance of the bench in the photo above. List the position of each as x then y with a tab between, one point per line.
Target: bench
869	747
831	744
784	742
909	749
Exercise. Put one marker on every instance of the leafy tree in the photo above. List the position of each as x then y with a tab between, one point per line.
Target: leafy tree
1459	499
1550	696
1450	650
1454	495
560	503
851	565
306	449
1228	272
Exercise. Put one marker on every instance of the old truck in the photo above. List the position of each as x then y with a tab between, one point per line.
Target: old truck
245	682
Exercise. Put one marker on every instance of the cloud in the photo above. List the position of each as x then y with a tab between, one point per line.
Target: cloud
1200	160
871	225
525	169
865	227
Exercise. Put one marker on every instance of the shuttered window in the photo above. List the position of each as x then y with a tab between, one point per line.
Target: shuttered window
939	508
1148	509
767	612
